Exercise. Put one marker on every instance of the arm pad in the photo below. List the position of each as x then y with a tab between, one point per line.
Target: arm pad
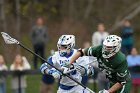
43	68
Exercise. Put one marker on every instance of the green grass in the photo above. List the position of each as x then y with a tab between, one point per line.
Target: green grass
33	84
8	85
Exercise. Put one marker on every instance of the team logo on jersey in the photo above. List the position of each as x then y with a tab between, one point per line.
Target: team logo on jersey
105	69
63	61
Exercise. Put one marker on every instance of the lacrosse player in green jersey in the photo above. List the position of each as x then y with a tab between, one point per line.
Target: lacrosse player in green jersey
111	61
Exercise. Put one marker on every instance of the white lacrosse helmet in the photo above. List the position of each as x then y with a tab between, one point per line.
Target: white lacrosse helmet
111	45
65	44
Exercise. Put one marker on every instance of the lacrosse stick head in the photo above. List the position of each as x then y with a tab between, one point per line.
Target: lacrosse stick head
8	39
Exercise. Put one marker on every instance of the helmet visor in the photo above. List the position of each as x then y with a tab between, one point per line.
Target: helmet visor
62	47
109	48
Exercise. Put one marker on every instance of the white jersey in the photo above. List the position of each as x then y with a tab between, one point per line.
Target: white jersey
57	61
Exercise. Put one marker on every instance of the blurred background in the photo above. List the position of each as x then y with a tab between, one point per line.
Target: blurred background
39	23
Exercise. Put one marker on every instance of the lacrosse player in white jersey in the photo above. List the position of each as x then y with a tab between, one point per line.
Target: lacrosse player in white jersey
81	67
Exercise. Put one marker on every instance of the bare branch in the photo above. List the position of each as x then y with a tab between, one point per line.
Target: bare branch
126	12
132	14
71	7
88	9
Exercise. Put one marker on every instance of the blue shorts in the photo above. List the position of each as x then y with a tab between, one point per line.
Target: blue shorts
84	80
48	79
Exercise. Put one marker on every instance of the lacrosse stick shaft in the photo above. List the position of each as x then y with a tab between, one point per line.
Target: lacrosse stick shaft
90	90
53	66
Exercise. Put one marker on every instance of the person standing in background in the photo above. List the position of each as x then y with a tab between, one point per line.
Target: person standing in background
127	37
3	67
97	39
99	35
39	38
20	64
134	60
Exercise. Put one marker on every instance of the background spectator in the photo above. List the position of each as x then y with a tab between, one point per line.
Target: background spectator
127	37
3	67
39	39
20	63
47	81
134	60
99	35
97	39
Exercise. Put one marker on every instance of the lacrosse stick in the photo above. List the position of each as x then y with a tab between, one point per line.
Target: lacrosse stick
9	40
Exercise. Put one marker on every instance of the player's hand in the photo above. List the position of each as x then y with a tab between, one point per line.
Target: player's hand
103	91
66	70
54	73
67	64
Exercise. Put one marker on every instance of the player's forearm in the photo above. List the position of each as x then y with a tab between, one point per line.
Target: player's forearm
75	56
115	87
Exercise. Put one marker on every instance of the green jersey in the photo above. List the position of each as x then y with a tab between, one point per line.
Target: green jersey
115	68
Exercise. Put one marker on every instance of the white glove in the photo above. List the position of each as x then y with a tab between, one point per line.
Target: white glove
67	64
74	67
103	91
66	70
54	73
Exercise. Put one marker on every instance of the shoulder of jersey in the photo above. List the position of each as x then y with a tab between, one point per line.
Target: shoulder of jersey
56	54
121	57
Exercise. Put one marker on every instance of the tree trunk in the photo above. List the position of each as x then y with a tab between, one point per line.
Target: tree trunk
17	8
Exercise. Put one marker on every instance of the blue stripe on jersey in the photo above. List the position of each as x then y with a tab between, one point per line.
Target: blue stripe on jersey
50	60
43	66
64	87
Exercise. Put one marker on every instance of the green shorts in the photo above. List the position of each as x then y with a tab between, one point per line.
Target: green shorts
125	88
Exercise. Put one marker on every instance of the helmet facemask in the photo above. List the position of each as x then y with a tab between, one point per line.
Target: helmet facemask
109	51
111	46
63	49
